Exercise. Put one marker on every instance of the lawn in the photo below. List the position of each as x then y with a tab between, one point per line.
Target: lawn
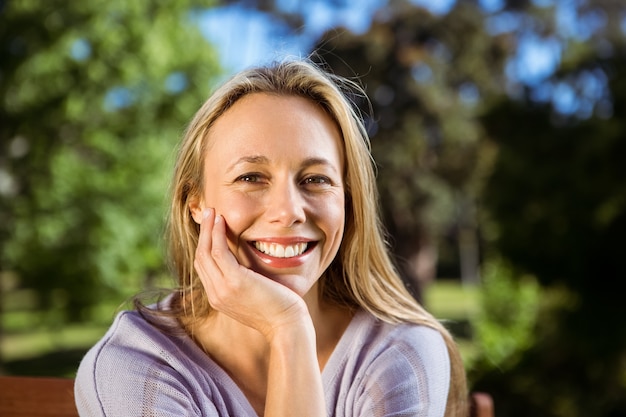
456	306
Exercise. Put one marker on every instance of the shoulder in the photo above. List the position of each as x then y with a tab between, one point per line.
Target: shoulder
407	339
131	337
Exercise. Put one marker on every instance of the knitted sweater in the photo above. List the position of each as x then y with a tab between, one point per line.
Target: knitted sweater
376	369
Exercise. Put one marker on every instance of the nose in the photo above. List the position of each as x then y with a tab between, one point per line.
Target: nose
286	205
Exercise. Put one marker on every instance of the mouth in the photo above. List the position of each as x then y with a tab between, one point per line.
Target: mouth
278	250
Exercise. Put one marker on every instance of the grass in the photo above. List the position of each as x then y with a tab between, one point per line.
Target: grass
32	344
448	299
39	343
456	306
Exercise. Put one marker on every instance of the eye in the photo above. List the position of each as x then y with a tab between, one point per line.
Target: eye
251	177
317	180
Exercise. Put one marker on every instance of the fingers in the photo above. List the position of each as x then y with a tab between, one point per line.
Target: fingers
218	236
221	254
217	267
204	239
204	264
212	238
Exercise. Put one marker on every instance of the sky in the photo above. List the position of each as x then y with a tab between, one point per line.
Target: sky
246	37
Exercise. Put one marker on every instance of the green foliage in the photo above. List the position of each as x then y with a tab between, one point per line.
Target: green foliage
574	368
93	98
504	327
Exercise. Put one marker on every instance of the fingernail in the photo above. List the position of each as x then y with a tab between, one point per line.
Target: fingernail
218	219
206	213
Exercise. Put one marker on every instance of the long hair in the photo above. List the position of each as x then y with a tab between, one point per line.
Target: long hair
362	274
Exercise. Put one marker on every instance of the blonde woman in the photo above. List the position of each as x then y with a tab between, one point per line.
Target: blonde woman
288	303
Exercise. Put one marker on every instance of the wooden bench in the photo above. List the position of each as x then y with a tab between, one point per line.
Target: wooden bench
22	396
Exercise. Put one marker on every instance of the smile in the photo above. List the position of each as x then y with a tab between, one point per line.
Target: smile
278	250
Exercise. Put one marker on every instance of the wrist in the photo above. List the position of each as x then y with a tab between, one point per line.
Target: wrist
294	331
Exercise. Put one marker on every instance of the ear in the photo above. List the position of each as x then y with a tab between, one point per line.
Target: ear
196	208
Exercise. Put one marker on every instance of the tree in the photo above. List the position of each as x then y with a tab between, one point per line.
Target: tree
429	77
94	96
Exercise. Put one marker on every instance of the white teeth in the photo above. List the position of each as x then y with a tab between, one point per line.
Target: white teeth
279	251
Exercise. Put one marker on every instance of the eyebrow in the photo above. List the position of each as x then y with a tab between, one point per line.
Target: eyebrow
253	159
263	160
317	161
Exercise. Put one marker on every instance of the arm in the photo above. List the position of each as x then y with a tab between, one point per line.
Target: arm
280	315
294	380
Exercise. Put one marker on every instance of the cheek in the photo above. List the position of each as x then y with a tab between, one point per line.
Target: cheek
334	217
238	212
232	206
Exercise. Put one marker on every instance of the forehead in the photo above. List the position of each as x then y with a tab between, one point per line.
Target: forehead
275	126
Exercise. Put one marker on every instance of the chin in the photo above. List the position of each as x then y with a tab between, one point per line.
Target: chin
295	282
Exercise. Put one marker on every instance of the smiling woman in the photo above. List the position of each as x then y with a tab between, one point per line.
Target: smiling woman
288	302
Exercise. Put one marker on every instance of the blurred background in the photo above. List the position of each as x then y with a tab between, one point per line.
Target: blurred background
498	127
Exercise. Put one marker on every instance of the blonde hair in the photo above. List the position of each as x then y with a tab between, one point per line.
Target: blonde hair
362	273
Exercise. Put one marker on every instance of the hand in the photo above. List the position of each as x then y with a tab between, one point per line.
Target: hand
244	295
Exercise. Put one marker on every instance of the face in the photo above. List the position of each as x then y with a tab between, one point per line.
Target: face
274	171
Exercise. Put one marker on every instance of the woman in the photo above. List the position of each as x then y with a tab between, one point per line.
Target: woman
288	303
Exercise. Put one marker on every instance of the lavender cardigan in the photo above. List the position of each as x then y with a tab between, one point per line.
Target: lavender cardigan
377	369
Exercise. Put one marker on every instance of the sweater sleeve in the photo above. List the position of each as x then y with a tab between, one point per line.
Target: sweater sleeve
411	377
